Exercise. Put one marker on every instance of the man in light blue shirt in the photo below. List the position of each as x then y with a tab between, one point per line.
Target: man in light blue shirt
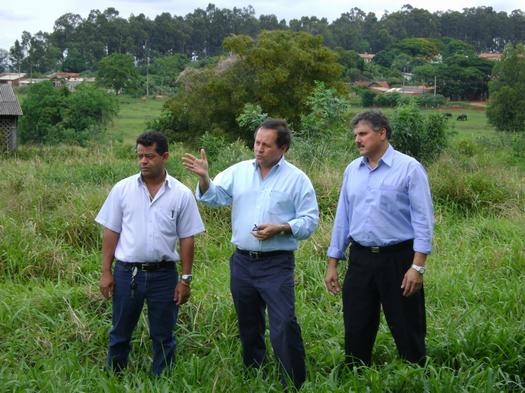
273	207
385	214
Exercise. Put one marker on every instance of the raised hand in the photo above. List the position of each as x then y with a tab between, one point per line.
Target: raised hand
199	166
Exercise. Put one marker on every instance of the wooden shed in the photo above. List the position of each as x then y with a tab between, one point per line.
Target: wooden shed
9	112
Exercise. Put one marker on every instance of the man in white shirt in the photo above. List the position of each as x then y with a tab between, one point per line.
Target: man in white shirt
143	217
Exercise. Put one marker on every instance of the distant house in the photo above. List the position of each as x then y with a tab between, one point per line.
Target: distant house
12	78
377	86
490	56
63	75
367	57
9	112
412	90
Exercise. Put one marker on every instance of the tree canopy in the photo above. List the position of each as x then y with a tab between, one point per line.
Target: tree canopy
506	110
276	71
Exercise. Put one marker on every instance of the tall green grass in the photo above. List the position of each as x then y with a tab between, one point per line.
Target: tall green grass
54	323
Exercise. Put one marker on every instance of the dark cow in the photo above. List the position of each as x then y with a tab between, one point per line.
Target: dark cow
462	117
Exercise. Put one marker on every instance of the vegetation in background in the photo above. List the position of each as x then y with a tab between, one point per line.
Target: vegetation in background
422	136
53	116
117	72
506	110
276	72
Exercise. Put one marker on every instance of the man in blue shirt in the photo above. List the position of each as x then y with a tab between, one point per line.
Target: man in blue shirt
385	214
273	207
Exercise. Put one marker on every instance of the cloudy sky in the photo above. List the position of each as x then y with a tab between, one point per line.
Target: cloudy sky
37	15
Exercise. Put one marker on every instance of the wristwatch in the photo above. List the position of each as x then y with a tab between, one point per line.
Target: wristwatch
420	269
186	278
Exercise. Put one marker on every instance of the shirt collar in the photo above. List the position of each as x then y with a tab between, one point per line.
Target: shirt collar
279	163
387	158
168	181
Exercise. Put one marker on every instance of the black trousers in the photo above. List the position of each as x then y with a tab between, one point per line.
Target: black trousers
374	280
257	284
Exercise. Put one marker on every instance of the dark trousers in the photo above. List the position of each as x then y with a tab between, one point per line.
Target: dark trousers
262	283
373	280
157	289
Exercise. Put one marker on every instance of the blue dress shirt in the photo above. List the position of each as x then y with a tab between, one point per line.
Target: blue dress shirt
285	195
385	205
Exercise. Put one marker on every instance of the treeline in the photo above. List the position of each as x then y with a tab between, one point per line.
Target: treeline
77	44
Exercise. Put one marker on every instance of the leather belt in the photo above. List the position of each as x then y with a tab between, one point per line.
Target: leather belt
378	250
148	266
263	254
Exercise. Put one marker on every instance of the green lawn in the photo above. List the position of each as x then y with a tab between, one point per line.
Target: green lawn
134	115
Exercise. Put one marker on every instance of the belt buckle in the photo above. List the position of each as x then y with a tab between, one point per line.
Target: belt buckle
375	249
254	254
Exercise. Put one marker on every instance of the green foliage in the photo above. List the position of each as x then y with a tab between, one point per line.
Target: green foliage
367	98
53	116
42	108
507	101
250	118
328	113
422	137
117	72
387	99
276	72
419	47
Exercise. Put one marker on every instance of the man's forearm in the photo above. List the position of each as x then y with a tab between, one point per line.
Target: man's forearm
204	184
109	244
187	249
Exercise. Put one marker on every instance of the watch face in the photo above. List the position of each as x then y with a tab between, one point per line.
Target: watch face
186	277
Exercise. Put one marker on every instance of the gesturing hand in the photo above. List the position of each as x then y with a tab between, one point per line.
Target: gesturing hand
196	165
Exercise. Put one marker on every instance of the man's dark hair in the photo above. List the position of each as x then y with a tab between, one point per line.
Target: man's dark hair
376	119
154	137
284	136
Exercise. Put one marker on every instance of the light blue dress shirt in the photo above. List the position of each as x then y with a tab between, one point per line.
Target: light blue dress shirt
383	206
286	195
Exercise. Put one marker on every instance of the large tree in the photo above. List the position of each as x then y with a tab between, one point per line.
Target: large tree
117	71
506	110
277	72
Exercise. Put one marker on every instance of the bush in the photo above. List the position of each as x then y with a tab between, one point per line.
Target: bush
430	100
53	116
250	118
367	98
328	113
388	99
422	137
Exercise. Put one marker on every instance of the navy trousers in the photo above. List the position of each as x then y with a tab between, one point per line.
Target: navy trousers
373	280
268	283
157	289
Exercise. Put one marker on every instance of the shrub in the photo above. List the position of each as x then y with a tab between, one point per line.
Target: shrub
422	137
367	98
430	100
53	116
250	118
328	113
388	99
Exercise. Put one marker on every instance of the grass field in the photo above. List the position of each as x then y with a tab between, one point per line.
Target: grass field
54	323
134	115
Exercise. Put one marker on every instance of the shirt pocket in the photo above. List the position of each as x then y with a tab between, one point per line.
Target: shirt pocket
391	197
167	222
281	207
